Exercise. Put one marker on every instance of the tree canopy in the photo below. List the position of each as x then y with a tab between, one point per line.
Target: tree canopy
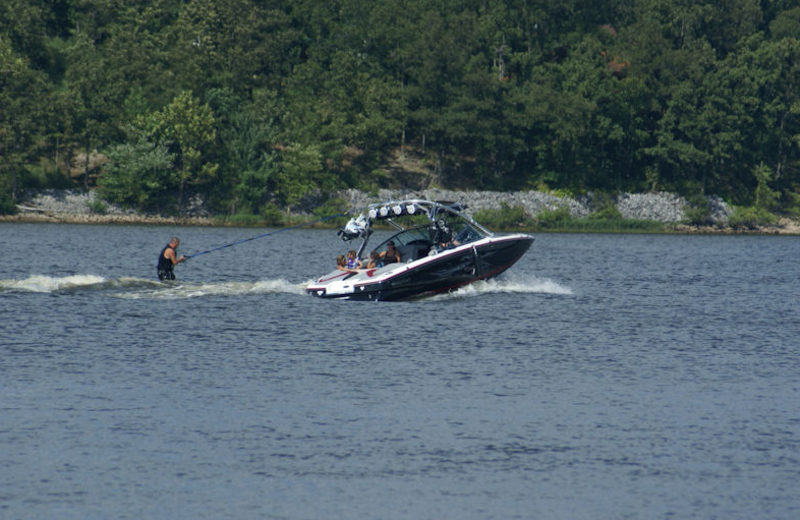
253	103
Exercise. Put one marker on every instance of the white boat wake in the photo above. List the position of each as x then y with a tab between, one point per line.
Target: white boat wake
50	284
508	285
142	289
184	290
535	285
139	288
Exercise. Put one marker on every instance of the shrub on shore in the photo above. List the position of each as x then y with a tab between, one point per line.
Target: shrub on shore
622	225
7	206
751	217
553	218
607	219
505	218
698	211
606	209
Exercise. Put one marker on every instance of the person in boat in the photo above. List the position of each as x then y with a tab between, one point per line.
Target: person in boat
375	261
390	256
449	243
341	264
352	260
167	260
444	236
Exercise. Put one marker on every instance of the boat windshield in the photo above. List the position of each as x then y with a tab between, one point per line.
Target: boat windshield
417	234
464	232
414	243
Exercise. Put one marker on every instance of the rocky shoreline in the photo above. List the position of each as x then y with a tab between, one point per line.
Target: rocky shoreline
81	207
85	207
662	207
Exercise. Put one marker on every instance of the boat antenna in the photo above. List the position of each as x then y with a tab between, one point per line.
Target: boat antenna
343	214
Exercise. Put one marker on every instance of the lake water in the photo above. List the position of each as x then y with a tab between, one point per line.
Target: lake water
602	377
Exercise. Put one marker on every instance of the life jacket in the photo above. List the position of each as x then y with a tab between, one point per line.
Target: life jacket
164	264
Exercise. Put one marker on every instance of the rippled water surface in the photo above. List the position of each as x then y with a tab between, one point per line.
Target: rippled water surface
602	377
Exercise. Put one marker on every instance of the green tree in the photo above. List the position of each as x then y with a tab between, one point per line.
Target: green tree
683	23
137	48
761	99
300	173
765	196
786	24
138	175
582	95
779	61
93	111
22	118
188	127
248	160
30	26
236	44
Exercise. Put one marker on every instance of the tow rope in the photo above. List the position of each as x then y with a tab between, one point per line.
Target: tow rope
270	233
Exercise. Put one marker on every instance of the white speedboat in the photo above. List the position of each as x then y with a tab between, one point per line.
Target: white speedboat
441	249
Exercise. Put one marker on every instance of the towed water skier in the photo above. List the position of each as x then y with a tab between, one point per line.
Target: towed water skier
167	260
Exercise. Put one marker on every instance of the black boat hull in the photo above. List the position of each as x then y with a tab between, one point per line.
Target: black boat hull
443	272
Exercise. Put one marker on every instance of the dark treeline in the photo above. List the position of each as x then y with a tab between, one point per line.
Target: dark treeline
252	103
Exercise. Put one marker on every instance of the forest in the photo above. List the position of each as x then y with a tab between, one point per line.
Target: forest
252	104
